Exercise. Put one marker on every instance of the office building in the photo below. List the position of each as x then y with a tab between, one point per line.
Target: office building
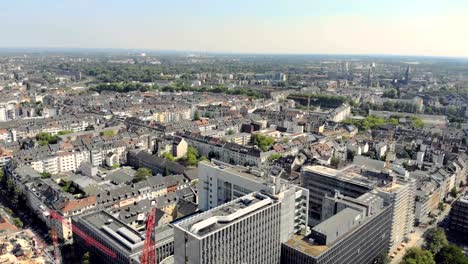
248	215
245	230
124	241
322	181
354	234
220	183
458	218
354	181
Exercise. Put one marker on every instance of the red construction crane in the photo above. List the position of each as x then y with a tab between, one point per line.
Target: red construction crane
149	252
53	233
89	240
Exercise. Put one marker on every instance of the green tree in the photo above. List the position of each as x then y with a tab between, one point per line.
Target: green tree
168	156
10	184
203	158
196	115
335	162
45	138
393	121
453	192
370	122
441	206
68	187
86	258
262	141
418	256
350	155
45	175
64	132
450	254
383	258
230	132
8	211
141	174
107	133
274	156
452	110
390	93
17	222
192	156
2	176
417	122
435	240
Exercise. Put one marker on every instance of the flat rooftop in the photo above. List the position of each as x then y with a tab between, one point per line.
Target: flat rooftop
226	214
303	244
247	173
350	174
113	229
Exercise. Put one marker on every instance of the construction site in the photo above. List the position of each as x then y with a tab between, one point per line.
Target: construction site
22	248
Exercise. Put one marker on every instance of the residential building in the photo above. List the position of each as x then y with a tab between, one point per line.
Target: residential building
227	152
179	147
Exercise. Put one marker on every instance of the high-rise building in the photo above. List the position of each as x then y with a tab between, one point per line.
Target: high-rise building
369	78
354	181
245	230
407	75
220	183
354	234
400	194
322	181
249	214
458	218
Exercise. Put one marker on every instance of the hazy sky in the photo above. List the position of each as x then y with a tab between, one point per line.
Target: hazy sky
406	27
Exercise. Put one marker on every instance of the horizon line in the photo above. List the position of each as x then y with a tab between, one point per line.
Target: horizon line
153	50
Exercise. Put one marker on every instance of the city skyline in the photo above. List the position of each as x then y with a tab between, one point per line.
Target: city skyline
419	28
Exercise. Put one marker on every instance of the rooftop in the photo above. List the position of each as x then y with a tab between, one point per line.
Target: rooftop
302	244
224	215
350	174
112	228
247	173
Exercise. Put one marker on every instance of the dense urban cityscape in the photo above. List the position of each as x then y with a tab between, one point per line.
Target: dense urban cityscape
234	132
134	157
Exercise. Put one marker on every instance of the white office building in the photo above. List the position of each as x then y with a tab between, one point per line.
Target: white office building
248	216
246	230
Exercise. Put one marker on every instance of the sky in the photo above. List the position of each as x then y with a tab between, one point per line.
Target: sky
390	27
